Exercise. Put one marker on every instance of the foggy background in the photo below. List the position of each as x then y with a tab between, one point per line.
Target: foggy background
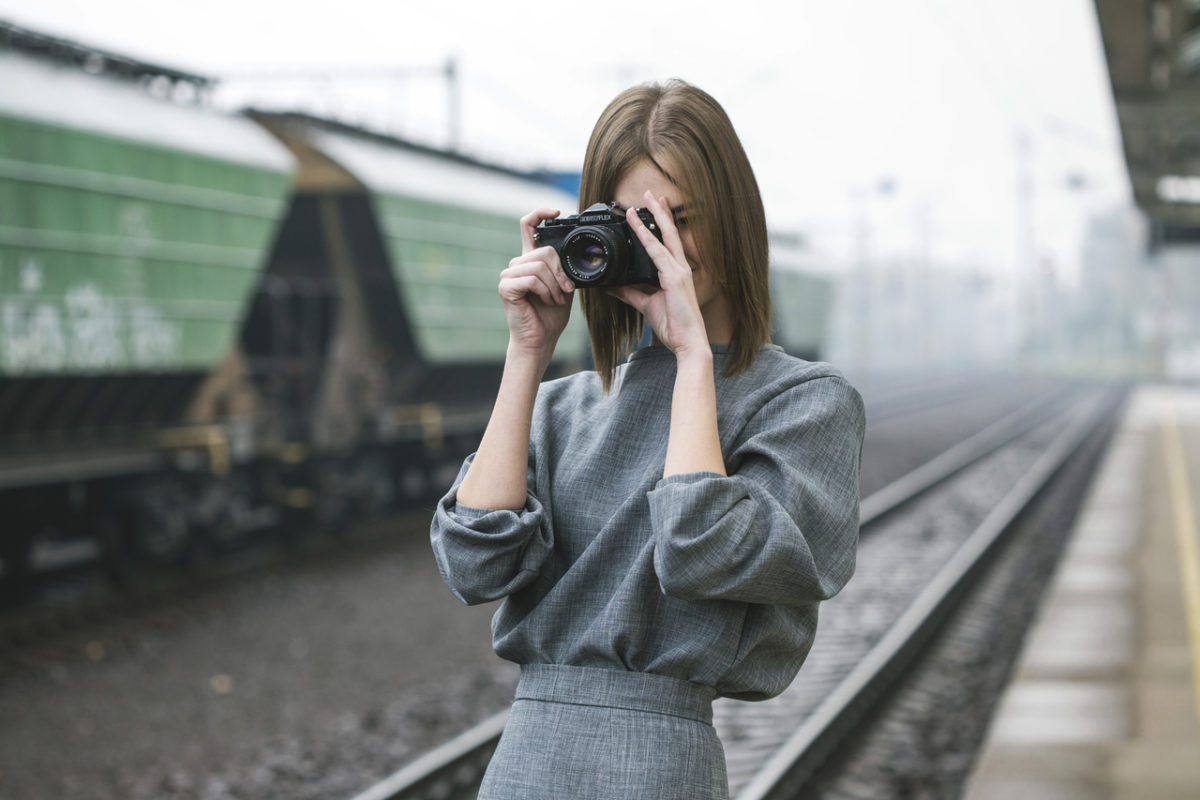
956	166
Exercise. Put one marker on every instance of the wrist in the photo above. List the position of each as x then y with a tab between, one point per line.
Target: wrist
528	360
697	355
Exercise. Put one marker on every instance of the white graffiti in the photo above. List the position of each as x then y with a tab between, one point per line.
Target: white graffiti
33	339
83	330
31	276
153	339
94	328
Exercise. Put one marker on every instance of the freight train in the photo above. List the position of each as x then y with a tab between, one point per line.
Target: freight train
212	324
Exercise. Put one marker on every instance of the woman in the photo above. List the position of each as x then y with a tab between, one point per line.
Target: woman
662	530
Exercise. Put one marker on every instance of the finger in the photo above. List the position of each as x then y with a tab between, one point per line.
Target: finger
519	288
529	222
661	210
631	297
552	259
541	270
670	230
549	257
659	254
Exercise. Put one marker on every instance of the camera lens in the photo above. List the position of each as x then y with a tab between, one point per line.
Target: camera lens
593	256
590	254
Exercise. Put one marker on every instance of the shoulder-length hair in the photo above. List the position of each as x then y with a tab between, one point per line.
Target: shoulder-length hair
686	134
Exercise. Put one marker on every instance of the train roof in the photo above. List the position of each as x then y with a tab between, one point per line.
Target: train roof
92	59
391	165
62	83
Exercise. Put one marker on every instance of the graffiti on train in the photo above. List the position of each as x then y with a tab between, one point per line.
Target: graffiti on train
81	329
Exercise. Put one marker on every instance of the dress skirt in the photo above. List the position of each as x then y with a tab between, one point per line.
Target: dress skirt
582	733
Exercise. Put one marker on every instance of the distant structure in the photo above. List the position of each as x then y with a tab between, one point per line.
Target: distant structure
900	315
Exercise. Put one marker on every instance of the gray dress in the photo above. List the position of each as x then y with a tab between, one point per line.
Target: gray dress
631	601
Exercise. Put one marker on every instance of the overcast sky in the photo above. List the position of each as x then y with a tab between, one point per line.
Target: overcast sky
831	99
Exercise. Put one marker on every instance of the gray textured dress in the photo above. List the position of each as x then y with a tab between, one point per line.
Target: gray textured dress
631	601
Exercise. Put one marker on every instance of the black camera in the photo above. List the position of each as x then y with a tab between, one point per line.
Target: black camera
597	247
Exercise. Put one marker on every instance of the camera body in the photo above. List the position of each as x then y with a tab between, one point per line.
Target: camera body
598	247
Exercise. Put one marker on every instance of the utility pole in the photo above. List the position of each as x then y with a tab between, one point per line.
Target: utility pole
453	105
1026	269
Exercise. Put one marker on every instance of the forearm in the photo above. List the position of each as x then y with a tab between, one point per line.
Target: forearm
496	478
694	444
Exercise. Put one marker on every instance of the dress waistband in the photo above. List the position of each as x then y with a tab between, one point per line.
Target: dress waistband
634	691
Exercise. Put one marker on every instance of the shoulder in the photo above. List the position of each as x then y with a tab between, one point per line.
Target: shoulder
790	370
776	378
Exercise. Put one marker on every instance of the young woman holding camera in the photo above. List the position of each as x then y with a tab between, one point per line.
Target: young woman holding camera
662	530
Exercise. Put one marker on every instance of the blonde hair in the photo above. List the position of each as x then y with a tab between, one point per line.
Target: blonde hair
685	133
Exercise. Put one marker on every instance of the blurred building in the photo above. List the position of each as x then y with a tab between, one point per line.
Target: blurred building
1111	325
898	315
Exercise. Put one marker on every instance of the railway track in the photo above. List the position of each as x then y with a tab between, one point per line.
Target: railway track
944	522
73	589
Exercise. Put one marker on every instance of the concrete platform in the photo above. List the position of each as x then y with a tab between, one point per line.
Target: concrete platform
1104	701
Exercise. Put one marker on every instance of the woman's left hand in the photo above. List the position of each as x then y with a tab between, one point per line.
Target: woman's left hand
673	310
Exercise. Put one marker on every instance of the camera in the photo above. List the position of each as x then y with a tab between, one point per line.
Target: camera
597	247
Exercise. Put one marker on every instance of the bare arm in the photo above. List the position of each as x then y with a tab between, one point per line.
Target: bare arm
537	304
496	478
693	443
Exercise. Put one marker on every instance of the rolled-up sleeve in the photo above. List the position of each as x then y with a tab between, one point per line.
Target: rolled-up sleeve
483	554
782	527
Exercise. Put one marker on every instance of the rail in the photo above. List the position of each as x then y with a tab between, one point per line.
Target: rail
787	770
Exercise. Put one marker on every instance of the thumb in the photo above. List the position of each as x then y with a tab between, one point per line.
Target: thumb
629	296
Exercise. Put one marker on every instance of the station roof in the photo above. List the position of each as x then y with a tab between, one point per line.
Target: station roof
1153	52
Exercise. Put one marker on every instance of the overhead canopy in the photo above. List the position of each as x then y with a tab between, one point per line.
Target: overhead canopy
1153	53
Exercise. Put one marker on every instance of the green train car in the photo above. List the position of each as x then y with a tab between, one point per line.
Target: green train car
212	324
412	241
132	232
801	297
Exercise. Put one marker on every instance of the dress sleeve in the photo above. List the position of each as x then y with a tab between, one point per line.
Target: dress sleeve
485	555
782	528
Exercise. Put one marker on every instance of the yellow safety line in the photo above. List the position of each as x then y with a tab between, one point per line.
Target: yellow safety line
1185	536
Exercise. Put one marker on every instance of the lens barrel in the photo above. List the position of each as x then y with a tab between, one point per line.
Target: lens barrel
592	255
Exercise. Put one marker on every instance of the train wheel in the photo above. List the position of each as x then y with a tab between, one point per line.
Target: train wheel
228	514
370	483
161	529
111	528
332	503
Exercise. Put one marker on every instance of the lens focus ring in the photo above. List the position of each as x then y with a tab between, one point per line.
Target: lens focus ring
590	253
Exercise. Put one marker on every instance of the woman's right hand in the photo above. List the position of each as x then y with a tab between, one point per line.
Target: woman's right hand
536	293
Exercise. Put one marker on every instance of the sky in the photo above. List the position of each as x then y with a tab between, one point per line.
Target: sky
882	130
